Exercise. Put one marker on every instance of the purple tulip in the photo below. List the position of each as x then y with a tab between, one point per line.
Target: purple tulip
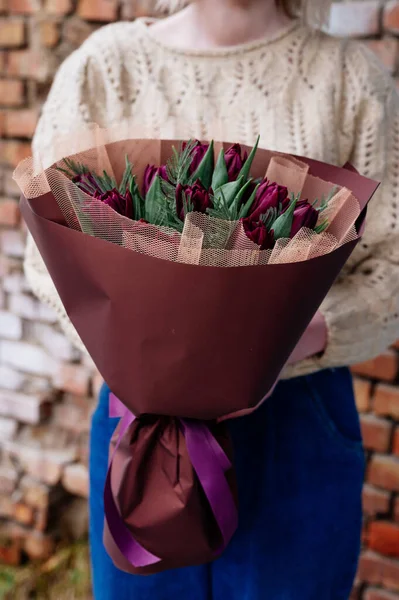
269	195
196	195
122	204
258	233
197	155
304	216
234	161
87	183
150	172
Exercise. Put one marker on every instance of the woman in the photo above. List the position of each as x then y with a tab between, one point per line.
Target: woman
245	67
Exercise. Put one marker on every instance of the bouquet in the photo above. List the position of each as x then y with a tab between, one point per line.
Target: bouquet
190	271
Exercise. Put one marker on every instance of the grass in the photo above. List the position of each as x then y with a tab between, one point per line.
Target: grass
64	576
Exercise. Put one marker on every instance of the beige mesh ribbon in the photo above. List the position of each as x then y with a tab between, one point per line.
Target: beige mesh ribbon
204	240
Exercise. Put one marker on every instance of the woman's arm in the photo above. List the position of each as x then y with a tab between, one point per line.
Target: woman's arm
362	309
68	108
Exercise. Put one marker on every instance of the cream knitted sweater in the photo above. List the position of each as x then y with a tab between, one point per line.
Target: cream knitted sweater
305	94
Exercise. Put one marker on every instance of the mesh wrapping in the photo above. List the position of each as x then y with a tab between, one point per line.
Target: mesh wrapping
204	240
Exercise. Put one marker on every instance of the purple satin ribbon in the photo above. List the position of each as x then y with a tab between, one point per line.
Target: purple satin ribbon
210	464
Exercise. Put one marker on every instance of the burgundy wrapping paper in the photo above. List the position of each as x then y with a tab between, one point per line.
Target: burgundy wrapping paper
159	496
177	339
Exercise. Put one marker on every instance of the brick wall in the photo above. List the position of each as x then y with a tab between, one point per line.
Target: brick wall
47	392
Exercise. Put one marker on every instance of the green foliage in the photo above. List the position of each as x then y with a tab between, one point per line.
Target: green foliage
220	174
282	225
205	168
246	168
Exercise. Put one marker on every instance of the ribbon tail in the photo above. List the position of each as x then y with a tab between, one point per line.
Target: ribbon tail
209	465
134	553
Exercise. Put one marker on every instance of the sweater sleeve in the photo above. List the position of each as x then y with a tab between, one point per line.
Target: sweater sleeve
362	308
66	109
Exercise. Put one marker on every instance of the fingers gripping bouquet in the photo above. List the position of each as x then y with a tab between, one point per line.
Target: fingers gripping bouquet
179	265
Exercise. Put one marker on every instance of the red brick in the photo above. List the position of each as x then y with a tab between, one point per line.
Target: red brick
9	212
49	33
21	123
98	10
383	537
76	480
379	570
384	367
139	8
58	7
386	50
12	32
376	433
395	446
10	547
72	378
12	92
23	7
379	594
362	389
12	152
37	65
375	501
386	401
384	472
391	17
355	19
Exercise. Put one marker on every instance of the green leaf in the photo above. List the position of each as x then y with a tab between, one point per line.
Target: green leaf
228	192
322	227
238	200
220	174
247	206
269	217
222	211
155	204
127	176
158	210
248	163
178	165
109	181
282	225
205	168
138	202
